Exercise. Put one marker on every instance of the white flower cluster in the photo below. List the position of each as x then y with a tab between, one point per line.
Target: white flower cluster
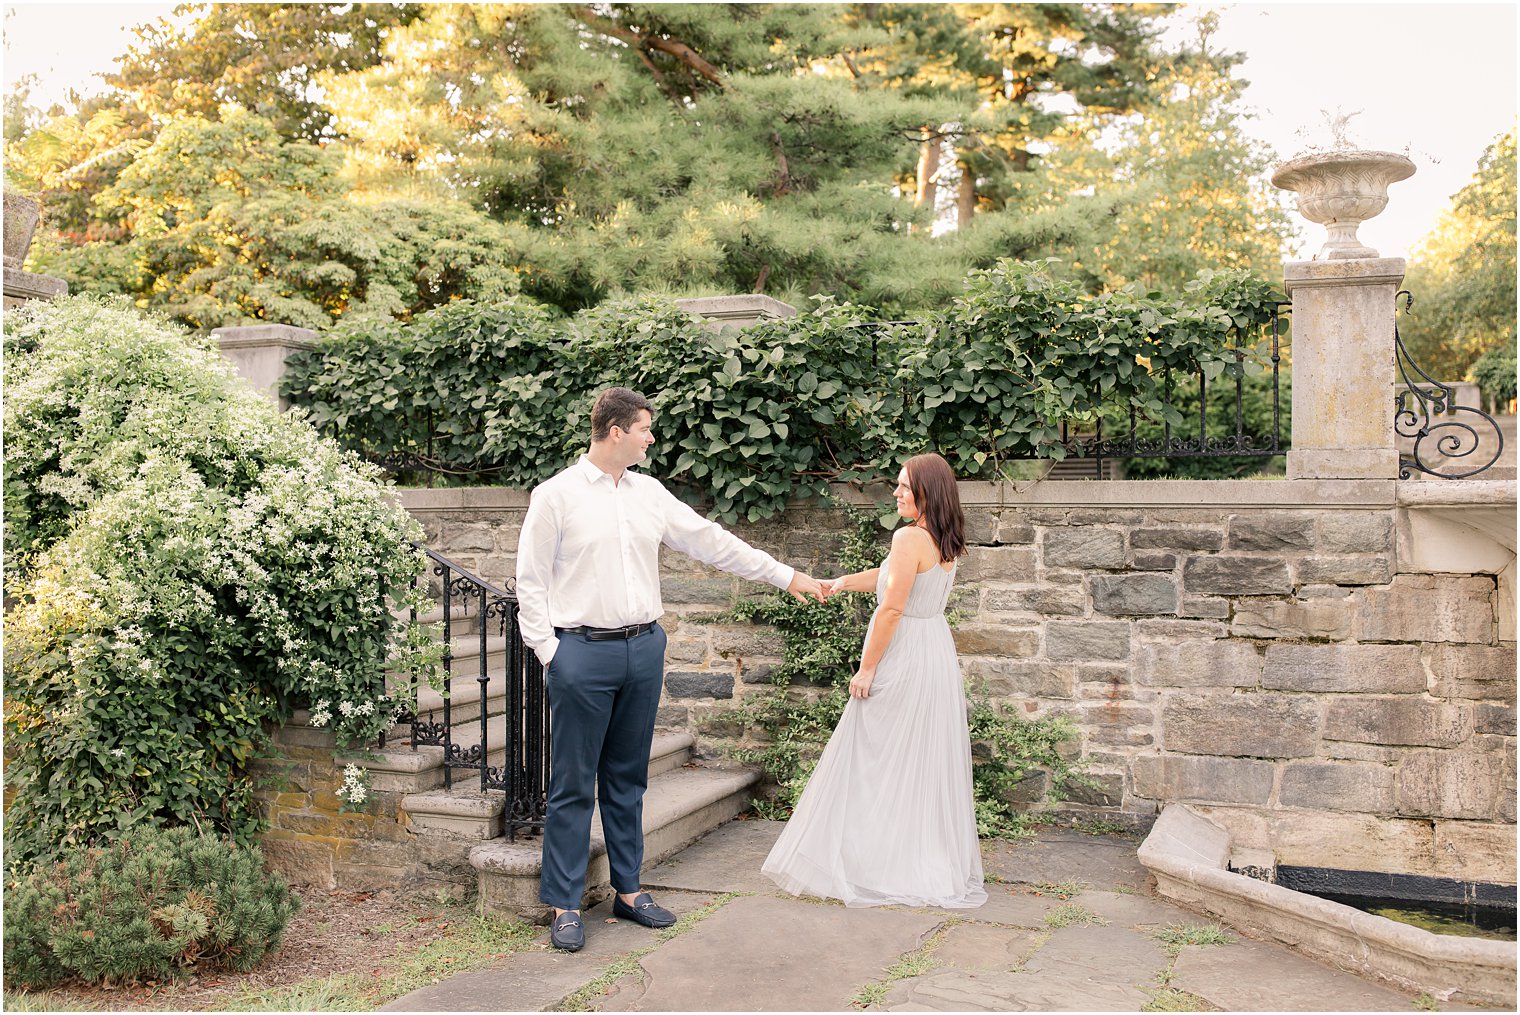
355	788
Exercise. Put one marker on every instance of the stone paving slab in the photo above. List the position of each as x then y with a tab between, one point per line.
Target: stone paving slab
1102	861
976	946
1009	905
1135	910
961	990
727	859
769	954
1252	976
1099	955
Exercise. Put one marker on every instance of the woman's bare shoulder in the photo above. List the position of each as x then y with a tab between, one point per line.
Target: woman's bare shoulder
914	540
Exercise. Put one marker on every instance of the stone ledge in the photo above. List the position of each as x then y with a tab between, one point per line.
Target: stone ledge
1188	855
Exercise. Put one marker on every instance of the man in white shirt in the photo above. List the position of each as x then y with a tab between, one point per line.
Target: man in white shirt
588	586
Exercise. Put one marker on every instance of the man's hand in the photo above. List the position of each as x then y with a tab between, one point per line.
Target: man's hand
803	586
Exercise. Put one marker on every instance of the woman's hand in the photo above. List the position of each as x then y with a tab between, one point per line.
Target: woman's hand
832	587
860	684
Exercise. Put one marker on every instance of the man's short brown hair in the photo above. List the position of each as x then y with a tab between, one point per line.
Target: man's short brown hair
617	407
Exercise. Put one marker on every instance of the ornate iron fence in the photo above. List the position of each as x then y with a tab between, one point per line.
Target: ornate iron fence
511	722
1426	412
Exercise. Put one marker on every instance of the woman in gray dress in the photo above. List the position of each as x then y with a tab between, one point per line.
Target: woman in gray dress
887	817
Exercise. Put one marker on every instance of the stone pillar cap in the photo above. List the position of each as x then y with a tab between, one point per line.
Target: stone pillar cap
746	307
1343	272
242	335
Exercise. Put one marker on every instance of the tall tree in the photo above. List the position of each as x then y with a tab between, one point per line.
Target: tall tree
1463	275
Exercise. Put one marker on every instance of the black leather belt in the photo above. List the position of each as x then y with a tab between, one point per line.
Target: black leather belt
607	633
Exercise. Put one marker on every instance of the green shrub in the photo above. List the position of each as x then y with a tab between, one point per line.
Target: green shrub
749	419
187	566
1494	373
156	905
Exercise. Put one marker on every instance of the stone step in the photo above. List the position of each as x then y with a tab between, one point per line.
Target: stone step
680	807
462	617
464	685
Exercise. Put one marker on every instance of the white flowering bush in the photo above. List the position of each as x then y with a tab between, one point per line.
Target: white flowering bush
187	566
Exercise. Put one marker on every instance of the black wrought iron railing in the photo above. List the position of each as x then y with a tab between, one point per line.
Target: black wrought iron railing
1449	441
502	739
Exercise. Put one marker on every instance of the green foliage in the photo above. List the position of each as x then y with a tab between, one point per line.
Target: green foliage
821	650
1494	373
163	903
1463	275
752	418
187	564
1175	936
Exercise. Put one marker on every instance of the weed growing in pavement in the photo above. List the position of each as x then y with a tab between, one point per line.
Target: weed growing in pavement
1069	914
914	963
1425	1002
1168	999
1065	889
1174	936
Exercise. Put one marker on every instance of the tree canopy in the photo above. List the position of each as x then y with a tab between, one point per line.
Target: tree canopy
310	162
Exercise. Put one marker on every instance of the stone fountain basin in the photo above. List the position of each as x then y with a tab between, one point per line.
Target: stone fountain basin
1189	856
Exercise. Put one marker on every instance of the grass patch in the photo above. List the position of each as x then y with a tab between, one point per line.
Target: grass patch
1168	999
42	1000
1063	889
1102	826
1069	914
1424	1002
581	1000
871	993
914	963
1175	936
471	943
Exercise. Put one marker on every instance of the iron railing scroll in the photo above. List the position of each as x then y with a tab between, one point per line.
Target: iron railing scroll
1426	412
511	719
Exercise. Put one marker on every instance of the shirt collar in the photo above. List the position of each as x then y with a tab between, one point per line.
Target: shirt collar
589	470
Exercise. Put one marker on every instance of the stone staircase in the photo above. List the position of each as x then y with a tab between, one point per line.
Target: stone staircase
684	801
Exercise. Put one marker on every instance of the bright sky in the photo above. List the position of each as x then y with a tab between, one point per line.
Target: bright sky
1436	81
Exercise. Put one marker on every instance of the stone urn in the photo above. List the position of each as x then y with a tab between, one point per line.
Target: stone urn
21	214
1340	190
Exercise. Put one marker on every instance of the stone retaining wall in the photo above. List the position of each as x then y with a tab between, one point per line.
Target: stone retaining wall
1269	652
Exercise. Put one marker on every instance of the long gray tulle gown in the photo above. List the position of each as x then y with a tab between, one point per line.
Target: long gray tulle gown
887	817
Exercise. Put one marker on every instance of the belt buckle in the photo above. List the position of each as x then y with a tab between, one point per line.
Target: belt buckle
630	631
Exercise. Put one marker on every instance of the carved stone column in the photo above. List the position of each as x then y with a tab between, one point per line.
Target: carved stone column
1343	367
21	217
259	352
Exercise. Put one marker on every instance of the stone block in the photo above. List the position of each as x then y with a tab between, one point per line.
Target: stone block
753	671
712	591
997	564
1130	595
1475	851
1076	639
1356	532
1477	672
1389	669
1451	784
1366	570
981	526
1202	779
1107	790
1221	663
472	537
1405	721
746	640
1319	618
1110	682
1169	629
1003	678
1236	576
1084	547
1050	600
1430	608
1177	539
1205	608
1494	720
672	717
301	863
1152	560
1118	724
685	650
700	683
1241	725
997	640
1014	530
1337	786
1272	531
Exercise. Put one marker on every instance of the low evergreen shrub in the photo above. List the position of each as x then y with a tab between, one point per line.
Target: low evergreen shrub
161	903
1494	373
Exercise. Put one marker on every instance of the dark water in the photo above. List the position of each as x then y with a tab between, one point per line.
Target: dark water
1493	923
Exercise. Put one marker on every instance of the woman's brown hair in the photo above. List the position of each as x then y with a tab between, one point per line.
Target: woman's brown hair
939	503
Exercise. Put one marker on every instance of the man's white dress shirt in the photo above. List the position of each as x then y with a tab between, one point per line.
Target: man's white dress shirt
590	548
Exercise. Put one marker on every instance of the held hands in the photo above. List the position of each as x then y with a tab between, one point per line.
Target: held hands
804	586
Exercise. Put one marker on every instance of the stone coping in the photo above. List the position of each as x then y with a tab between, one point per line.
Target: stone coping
1188	854
1315	494
1456	493
29	286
